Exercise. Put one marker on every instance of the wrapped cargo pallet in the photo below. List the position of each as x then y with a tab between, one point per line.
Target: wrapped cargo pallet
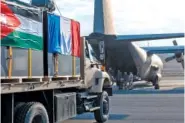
21	29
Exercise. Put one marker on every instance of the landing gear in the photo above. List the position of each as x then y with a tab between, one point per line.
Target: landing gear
156	83
157	86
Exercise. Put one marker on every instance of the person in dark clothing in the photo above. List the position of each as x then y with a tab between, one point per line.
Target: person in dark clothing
118	77
125	77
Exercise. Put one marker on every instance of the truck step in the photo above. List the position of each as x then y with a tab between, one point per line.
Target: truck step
88	103
94	109
89	97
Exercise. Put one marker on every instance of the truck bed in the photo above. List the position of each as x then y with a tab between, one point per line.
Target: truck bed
15	85
20	63
20	82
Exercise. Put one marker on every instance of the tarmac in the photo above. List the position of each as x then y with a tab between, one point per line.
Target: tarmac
143	104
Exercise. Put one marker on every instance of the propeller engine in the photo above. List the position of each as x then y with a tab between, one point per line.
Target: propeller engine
179	56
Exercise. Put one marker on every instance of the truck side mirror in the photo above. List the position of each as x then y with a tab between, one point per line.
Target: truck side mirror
92	65
95	64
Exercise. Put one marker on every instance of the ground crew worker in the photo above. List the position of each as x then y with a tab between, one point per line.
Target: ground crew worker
131	78
125	77
111	74
118	77
121	84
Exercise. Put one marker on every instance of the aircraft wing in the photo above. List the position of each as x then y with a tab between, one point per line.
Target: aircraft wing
164	49
145	37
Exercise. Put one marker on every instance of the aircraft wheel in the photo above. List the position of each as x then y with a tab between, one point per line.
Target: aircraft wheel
156	83
157	86
153	83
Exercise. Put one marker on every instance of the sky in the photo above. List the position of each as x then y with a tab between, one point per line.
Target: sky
132	17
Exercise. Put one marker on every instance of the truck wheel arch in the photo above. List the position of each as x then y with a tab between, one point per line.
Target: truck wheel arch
106	82
102	81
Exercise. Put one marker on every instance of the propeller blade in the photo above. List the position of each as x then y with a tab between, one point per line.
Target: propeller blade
175	43
170	58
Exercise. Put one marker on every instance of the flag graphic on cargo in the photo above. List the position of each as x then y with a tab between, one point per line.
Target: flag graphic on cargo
21	26
64	35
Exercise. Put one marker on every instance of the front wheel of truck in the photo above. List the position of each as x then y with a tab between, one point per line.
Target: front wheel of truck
101	115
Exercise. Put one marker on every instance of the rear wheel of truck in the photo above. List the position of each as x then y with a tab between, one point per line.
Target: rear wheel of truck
32	112
101	115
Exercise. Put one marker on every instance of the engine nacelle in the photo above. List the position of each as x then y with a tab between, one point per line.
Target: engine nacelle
152	68
155	72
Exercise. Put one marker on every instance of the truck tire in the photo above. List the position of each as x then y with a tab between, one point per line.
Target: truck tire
32	112
18	105
101	115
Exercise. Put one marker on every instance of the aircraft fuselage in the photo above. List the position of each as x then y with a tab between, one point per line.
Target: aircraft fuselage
129	57
148	65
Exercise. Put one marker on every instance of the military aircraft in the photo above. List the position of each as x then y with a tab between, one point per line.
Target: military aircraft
121	51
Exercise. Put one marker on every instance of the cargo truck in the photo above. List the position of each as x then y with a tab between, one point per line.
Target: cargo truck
45	98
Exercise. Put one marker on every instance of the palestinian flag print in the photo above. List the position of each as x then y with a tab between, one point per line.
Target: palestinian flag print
21	26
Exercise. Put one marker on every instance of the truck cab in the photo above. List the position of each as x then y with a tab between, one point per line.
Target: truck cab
95	75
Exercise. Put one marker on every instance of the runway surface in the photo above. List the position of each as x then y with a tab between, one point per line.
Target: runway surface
143	104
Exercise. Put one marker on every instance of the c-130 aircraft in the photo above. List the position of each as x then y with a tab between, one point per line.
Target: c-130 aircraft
121	51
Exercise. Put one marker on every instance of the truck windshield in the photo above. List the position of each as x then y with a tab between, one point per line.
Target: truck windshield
92	54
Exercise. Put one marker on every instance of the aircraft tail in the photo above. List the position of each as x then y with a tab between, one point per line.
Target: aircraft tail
103	19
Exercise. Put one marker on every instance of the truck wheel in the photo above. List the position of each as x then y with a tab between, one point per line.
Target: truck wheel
32	112
18	105
101	115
